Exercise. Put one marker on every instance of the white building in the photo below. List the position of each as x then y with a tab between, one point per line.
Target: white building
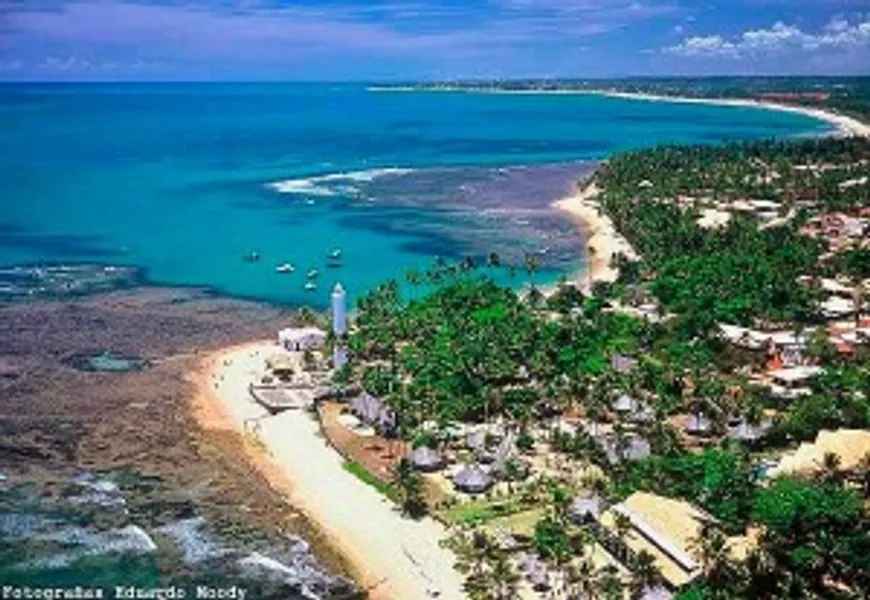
792	382
298	339
339	325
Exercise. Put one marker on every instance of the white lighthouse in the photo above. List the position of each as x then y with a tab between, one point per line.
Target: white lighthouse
339	325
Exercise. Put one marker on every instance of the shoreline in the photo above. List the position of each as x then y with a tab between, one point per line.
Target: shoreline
601	236
844	124
602	241
391	557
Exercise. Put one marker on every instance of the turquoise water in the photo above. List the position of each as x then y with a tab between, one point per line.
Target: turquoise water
183	180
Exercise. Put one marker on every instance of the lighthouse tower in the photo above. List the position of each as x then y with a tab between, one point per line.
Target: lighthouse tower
339	325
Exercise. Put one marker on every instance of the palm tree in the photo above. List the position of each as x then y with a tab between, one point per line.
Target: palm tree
581	580
530	260
410	487
505	581
831	471
712	547
414	278
644	574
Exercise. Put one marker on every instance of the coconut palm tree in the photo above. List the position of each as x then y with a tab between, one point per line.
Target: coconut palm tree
581	580
644	574
409	484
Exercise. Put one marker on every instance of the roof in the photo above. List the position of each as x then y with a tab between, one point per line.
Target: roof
475	439
698	423
835	287
281	362
643	413
755	340
622	364
636	448
836	306
372	410
665	528
624	403
741	336
656	593
794	374
298	333
585	506
473	480
849	445
749	432
426	458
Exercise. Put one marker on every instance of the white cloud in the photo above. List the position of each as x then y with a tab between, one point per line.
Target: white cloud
838	35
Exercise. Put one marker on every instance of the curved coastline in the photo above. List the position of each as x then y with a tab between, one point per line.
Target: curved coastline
377	562
844	124
602	241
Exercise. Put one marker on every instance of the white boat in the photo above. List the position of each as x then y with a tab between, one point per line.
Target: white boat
310	286
312	273
285	268
335	254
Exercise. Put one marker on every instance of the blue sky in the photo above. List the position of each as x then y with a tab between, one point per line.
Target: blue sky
427	39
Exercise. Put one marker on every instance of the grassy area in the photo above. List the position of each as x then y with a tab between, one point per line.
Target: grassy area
481	511
522	523
360	472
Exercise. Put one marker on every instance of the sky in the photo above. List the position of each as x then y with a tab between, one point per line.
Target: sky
377	40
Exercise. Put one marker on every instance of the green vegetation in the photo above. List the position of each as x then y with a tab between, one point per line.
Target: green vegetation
720	481
361	473
470	351
408	486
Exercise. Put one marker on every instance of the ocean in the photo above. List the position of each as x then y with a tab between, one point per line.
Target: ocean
185	180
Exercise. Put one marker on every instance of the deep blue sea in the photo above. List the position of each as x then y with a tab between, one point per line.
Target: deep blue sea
184	180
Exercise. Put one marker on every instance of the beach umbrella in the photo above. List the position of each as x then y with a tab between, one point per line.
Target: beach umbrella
473	480
426	459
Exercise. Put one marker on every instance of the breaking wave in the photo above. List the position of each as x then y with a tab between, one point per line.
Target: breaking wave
333	184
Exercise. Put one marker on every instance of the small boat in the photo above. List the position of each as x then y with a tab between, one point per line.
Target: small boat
252	257
310	286
335	254
312	273
285	268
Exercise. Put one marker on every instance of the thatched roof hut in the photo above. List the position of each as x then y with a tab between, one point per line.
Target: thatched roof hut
698	424
749	432
473	480
621	363
427	459
375	412
658	592
635	448
624	404
540	579
585	508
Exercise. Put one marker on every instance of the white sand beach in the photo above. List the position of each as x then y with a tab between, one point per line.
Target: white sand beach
395	558
602	240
